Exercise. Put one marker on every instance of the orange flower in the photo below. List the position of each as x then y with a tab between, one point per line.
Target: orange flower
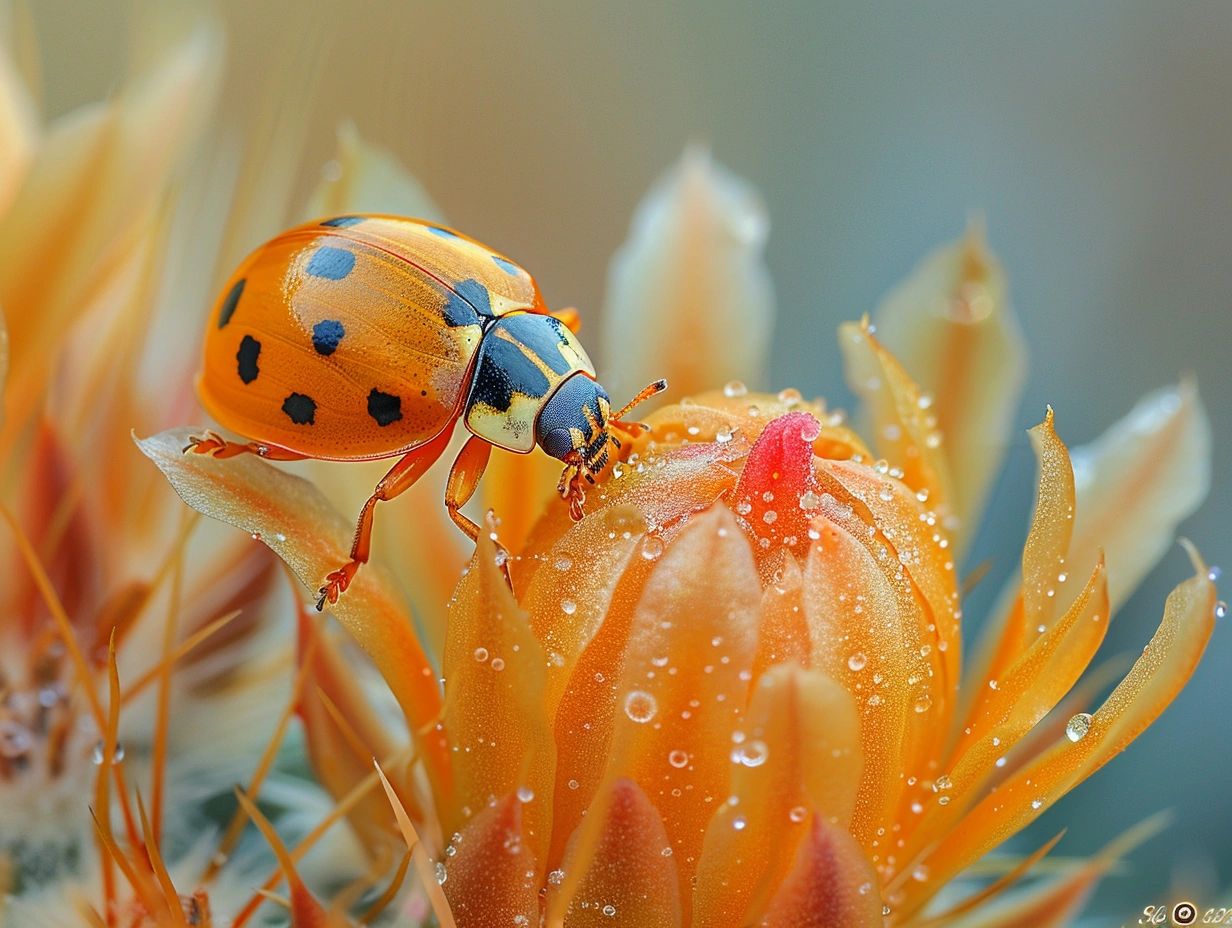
731	694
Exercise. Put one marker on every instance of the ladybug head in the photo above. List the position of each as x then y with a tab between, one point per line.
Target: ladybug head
576	426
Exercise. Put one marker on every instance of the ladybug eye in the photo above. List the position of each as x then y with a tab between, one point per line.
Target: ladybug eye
557	442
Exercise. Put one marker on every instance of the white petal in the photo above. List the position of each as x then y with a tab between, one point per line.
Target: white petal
689	296
1137	481
365	178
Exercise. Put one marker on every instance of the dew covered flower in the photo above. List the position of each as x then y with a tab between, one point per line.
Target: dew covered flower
735	693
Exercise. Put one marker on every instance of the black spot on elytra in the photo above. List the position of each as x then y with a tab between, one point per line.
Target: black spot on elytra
331	263
343	222
326	335
301	409
250	351
466	302
229	303
384	407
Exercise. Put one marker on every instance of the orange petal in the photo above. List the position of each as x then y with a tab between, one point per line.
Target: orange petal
951	326
904	427
1158	675
868	633
518	488
783	634
291	517
684	680
499	735
803	732
1138	481
691	273
365	178
830	884
491	879
1044	564
629	875
343	733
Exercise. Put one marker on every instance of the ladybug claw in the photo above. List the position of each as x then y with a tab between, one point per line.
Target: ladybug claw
336	584
209	443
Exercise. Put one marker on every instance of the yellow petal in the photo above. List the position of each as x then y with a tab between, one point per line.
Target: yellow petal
830	884
689	296
1157	676
365	178
18	129
291	517
500	737
803	732
951	326
627	879
1138	480
904	427
684	680
487	880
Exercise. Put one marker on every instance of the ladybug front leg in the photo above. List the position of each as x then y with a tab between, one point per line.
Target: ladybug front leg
401	477
464	477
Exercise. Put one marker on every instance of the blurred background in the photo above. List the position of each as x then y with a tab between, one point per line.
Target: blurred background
1095	139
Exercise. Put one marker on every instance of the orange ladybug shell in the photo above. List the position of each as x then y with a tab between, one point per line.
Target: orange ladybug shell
353	338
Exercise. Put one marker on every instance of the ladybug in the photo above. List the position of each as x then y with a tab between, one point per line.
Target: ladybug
369	336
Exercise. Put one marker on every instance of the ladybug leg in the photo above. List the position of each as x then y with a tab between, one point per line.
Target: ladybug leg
216	446
463	479
410	467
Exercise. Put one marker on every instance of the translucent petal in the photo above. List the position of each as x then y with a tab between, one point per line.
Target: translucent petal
1138	481
291	517
629	877
1155	679
830	884
804	734
18	129
365	178
691	273
951	326
500	738
783	635
491	879
904	427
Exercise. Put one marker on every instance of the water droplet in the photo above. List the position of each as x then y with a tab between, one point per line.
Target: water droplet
556	877
609	910
751	754
1077	727
573	784
920	873
652	547
1214	573
865	888
481	654
1221	609
740	823
886	493
640	706
798	814
942	782
441	874
769	516
525	794
809	500
923	703
943	800
734	388
857	661
564	562
666	852
568	606
521	921
810	431
678	758
1036	803
723	436
498	664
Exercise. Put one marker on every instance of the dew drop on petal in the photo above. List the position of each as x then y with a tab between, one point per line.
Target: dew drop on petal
640	706
481	654
797	814
751	754
525	794
920	873
609	910
1036	803
652	547
678	758
734	388
1077	727
723	436
739	823
556	877
441	874
498	664
857	661
809	500
568	606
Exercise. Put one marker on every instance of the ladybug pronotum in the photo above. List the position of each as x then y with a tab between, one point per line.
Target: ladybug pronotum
364	337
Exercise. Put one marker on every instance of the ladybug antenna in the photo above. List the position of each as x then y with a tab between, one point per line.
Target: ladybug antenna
647	392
